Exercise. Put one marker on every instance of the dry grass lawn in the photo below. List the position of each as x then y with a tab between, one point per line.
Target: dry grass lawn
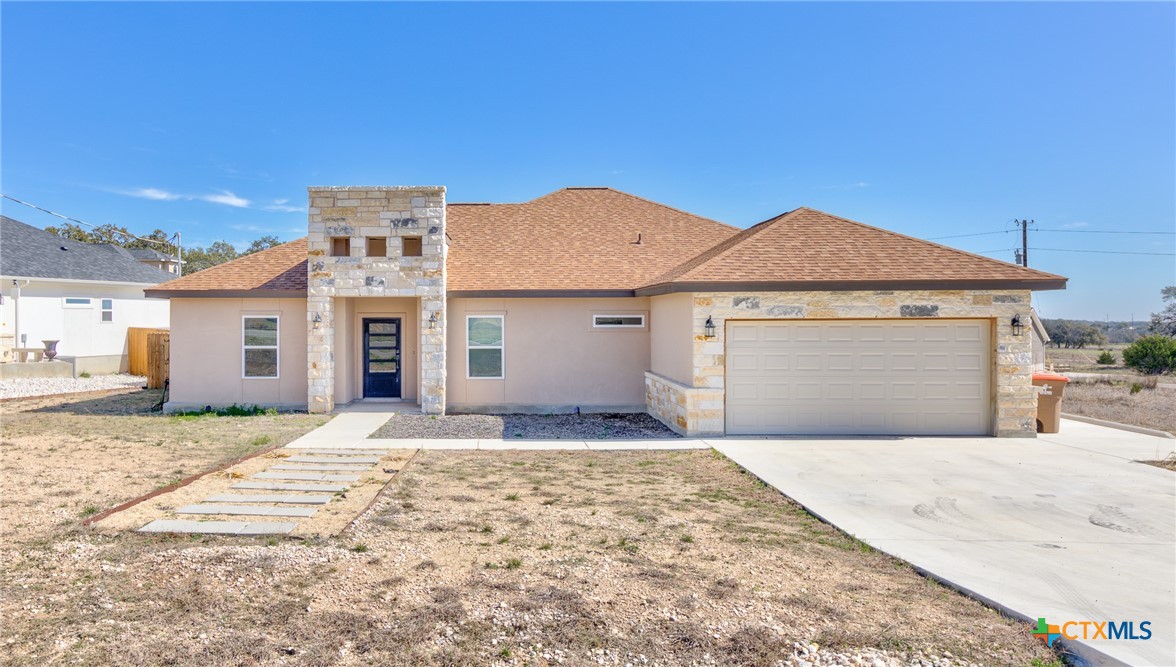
63	458
466	558
1151	408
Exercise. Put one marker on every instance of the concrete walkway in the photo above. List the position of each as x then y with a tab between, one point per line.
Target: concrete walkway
1065	527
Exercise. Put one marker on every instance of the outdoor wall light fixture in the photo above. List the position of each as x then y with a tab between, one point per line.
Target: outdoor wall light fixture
1018	328
709	328
317	319
433	321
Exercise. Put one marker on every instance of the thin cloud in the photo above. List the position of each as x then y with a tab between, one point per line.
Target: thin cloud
154	193
283	206
851	186
1075	225
227	198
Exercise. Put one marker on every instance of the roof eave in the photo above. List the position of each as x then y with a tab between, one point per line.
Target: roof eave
226	294
1035	284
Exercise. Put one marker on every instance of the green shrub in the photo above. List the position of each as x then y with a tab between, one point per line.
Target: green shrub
1107	358
233	410
1151	354
83	375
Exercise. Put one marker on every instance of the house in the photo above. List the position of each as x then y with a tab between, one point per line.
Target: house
83	295
595	299
154	258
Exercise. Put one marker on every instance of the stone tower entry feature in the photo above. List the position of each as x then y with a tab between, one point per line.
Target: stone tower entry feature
376	242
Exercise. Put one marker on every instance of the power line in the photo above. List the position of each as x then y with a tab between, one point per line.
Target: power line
83	222
1097	231
1108	252
960	236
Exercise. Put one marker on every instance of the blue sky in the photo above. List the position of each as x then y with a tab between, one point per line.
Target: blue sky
928	119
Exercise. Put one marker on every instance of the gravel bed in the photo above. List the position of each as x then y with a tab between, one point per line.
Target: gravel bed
24	387
612	426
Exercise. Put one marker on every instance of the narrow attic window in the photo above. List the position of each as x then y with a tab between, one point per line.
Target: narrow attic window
411	247
340	246
377	246
108	310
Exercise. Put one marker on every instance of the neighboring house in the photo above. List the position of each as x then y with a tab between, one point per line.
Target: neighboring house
83	295
594	299
155	259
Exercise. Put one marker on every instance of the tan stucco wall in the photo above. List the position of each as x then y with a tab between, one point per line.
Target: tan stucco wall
206	354
671	337
349	315
553	357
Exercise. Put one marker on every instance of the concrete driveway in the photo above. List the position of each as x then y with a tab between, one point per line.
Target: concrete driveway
1065	527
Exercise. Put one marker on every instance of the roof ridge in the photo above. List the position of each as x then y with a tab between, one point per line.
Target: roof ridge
925	242
665	206
719	248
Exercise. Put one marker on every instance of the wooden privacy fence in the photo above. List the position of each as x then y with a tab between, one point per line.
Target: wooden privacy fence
158	358
148	353
137	348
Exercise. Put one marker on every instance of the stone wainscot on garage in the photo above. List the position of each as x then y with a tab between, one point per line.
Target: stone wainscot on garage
595	299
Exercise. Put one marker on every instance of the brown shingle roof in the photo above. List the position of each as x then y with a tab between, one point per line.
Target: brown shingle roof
810	247
585	239
278	271
571	239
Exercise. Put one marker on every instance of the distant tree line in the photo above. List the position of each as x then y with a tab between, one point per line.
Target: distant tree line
1074	333
196	258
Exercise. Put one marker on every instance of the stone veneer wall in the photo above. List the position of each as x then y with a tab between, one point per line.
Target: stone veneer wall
1015	407
360	212
688	411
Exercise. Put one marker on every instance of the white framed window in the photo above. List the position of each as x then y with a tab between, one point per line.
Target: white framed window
107	310
77	302
259	346
484	347
622	321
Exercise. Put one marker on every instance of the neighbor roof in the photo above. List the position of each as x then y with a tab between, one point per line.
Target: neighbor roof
574	239
810	249
150	255
29	252
279	271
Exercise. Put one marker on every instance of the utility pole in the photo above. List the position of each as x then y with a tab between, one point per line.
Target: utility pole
1023	257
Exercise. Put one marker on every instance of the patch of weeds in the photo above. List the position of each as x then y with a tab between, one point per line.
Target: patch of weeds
359	548
505	652
271	542
503	540
487	528
546	546
260	441
723	588
84	375
627	544
512	496
688	539
514	563
233	410
491	566
89	510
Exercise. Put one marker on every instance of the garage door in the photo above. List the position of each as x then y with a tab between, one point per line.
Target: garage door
862	377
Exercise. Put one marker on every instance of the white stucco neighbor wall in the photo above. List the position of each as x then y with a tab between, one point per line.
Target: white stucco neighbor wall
97	346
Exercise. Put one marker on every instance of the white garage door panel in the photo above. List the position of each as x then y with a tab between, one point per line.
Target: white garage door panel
858	377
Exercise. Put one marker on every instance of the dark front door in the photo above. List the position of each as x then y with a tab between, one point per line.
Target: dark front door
381	358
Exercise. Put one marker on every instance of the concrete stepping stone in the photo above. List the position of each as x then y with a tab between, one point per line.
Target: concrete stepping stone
371	460
320	466
306	476
281	486
267	498
219	527
250	510
342	452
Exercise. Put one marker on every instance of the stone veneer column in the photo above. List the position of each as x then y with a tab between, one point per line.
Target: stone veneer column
320	354
391	212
